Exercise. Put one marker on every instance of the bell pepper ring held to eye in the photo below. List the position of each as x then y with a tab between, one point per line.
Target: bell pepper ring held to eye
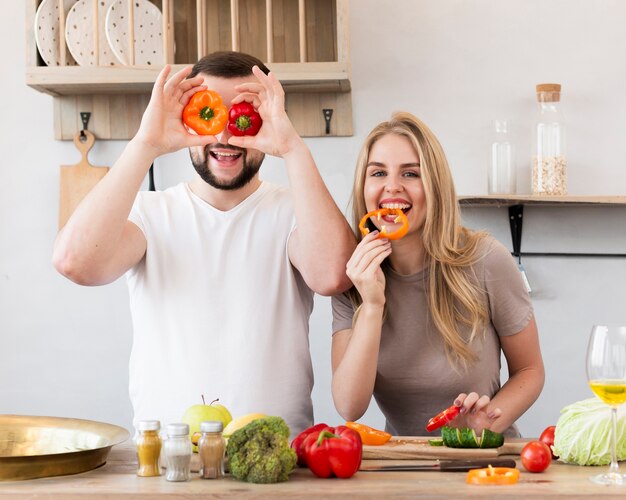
243	119
205	113
493	475
395	235
443	418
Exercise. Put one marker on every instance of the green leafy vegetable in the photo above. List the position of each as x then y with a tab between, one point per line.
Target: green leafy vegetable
583	433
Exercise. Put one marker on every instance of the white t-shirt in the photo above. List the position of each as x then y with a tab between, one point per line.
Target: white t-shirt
218	310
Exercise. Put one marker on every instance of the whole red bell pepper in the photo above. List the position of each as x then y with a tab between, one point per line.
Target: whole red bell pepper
243	119
333	451
298	441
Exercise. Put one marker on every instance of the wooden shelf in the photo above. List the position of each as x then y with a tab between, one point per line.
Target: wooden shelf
516	203
507	200
80	80
305	43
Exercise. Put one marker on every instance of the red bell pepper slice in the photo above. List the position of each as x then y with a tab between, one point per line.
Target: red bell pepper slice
243	119
333	451
443	418
298	441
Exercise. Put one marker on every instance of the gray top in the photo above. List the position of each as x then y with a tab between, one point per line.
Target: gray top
211	426
177	429
415	381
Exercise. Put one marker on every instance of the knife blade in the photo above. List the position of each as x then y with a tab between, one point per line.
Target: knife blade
443	465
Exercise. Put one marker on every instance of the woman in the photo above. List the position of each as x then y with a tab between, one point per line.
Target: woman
428	315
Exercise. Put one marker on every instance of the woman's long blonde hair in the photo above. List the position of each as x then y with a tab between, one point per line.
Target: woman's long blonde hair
454	296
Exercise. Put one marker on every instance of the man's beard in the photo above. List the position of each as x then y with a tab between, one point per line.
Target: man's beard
250	168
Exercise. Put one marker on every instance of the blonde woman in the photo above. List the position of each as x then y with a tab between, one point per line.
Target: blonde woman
429	314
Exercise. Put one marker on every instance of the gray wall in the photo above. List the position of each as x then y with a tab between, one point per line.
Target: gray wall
457	64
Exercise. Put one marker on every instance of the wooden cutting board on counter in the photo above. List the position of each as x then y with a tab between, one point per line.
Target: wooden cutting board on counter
415	447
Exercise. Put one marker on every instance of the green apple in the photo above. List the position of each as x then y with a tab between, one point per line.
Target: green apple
203	412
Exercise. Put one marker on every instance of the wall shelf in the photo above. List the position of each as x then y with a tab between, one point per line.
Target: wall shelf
506	200
304	42
78	80
516	203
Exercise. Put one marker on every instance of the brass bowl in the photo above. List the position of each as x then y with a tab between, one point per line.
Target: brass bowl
32	447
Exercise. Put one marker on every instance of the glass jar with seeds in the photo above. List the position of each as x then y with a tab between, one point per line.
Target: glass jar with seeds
549	173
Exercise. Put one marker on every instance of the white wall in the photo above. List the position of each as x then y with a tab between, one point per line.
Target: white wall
457	64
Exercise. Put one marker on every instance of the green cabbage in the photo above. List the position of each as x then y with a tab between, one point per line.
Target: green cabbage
583	433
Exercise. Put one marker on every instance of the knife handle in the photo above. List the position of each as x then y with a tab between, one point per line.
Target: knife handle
465	465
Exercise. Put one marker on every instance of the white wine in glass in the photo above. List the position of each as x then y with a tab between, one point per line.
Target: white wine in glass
606	373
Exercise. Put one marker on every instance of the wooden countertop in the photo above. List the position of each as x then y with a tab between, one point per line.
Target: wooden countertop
117	479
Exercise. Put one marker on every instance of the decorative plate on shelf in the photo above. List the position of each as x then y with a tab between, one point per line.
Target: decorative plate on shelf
47	32
148	28
79	34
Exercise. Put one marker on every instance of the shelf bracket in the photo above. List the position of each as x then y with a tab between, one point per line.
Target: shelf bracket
516	218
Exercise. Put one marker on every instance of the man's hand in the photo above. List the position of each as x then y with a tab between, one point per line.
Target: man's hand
277	136
162	129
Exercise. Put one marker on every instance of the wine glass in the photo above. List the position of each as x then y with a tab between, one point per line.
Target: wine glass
606	373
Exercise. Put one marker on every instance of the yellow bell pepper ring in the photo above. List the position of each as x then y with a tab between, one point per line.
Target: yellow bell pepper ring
493	475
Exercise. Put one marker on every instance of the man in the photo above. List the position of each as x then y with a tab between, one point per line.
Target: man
221	270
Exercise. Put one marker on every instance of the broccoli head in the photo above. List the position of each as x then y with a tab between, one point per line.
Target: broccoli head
260	452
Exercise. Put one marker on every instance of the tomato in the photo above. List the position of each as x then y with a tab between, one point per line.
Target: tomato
536	456
547	436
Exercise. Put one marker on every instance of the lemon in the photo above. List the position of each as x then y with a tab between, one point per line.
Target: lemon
240	422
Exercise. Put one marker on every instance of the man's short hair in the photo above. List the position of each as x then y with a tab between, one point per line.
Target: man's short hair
227	64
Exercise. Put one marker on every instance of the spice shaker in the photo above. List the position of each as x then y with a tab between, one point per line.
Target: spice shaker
148	446
502	174
211	447
549	160
177	452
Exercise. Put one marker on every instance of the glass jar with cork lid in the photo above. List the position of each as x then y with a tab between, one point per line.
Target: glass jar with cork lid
549	175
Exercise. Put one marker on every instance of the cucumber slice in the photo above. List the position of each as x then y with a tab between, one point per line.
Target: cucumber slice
450	437
435	442
468	438
490	439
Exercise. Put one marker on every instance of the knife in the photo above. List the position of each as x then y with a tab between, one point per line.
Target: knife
444	465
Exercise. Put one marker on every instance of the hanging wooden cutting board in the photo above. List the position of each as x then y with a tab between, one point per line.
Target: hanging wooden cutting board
412	447
77	180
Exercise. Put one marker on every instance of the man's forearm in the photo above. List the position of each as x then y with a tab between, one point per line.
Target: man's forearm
326	241
92	234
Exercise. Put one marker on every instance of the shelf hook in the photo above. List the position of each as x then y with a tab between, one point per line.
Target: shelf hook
516	218
84	116
328	115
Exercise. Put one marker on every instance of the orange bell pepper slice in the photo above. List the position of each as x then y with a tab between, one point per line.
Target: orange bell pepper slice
395	235
368	434
493	475
205	113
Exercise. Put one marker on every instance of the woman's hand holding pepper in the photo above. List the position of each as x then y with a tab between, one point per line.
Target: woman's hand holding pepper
277	136
476	412
162	129
364	270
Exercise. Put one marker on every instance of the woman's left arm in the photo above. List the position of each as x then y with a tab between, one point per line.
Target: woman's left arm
526	377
